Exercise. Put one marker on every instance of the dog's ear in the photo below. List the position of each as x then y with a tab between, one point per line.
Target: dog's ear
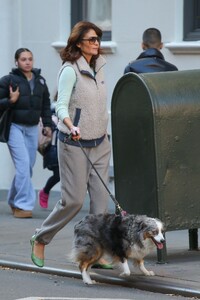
142	226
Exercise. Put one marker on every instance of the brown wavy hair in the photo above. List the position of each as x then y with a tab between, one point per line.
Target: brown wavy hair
71	52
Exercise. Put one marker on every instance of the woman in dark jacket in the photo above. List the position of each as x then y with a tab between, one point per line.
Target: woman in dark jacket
25	91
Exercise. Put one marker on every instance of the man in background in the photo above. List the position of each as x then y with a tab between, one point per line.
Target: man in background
151	59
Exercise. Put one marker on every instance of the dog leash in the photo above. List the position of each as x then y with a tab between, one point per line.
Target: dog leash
119	210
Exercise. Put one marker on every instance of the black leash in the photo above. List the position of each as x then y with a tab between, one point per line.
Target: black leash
119	210
118	207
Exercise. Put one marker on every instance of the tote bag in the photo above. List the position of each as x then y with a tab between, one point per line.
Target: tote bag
43	140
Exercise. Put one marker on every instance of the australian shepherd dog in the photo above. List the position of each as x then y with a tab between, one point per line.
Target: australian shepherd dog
128	237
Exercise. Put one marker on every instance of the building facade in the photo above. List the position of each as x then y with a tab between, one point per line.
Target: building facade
44	26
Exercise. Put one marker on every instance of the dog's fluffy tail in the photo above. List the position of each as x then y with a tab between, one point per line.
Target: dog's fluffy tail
73	255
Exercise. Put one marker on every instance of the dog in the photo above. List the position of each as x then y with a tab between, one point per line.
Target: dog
122	237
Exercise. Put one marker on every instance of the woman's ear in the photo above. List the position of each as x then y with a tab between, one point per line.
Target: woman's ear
78	45
16	63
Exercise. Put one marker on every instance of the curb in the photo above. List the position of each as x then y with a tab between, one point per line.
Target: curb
155	284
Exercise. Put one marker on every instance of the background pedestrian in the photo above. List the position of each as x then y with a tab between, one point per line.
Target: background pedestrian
29	102
151	59
50	161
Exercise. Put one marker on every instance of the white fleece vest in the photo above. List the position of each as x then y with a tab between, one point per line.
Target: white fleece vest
89	94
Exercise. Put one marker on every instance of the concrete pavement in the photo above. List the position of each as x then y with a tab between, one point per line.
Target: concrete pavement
180	275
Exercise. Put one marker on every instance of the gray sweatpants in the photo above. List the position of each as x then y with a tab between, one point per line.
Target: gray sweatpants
77	177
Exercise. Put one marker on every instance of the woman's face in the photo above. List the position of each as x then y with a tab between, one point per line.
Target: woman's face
25	61
89	45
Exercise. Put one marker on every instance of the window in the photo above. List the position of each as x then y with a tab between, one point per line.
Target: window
191	20
95	11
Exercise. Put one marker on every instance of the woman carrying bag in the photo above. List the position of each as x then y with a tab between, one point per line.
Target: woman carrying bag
28	103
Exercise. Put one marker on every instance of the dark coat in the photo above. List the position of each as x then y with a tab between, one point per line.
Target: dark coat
149	61
30	105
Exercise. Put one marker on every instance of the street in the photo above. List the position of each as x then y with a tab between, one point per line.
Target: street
15	285
58	279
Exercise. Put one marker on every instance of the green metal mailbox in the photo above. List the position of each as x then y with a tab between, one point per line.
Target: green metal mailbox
156	146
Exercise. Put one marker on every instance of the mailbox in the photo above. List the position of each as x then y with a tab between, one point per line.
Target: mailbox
155	120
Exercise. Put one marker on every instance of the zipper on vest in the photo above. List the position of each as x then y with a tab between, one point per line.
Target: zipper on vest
91	76
87	74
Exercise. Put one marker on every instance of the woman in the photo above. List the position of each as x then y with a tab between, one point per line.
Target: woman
29	102
81	85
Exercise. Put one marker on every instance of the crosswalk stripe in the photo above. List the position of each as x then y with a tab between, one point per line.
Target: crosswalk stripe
61	298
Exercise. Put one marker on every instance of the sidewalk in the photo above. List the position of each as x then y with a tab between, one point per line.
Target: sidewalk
180	275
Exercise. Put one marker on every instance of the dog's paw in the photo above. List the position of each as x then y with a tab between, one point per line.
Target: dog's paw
150	273
90	282
125	274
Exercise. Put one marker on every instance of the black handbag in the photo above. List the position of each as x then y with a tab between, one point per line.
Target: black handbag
50	156
5	123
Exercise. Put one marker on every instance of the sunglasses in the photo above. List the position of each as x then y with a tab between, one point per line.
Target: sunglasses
92	40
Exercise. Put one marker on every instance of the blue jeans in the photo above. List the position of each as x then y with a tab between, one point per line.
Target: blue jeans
22	144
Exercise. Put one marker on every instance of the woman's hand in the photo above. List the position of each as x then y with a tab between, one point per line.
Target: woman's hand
75	133
14	95
47	131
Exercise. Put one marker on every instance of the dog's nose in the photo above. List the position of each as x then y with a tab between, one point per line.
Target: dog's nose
162	241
